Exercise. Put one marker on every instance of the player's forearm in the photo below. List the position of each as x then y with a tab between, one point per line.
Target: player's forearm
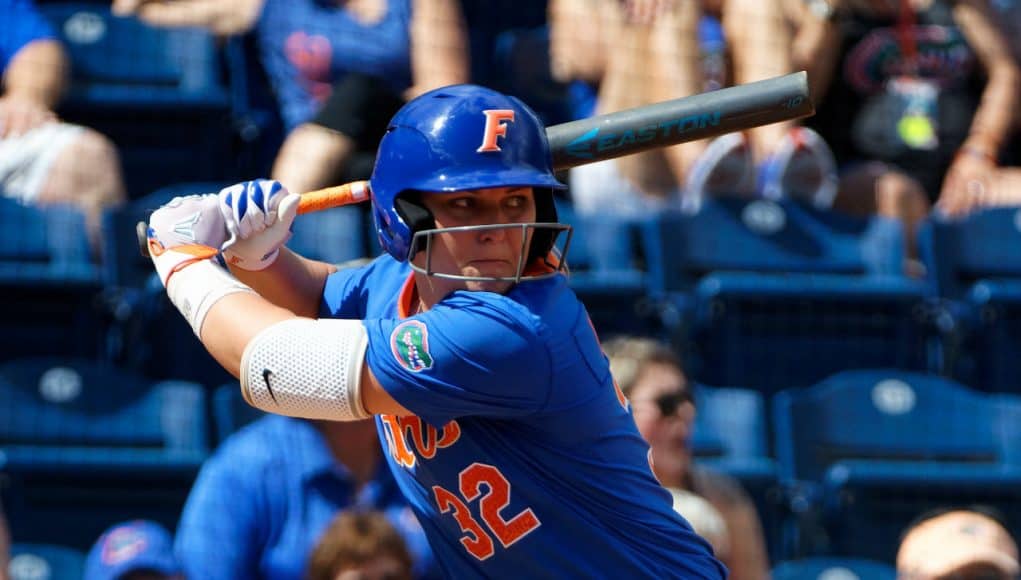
438	45
233	321
38	72
291	282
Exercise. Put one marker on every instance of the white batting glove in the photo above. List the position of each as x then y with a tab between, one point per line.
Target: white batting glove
184	231
258	215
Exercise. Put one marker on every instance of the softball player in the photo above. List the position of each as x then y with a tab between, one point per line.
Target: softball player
493	399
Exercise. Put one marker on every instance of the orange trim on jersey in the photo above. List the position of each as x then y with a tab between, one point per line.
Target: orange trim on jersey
407	297
540	266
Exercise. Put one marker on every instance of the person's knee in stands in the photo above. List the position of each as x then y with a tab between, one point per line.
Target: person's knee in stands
87	174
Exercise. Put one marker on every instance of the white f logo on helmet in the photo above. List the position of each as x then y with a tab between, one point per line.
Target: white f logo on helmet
495	128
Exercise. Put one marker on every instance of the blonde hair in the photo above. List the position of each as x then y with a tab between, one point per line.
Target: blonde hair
355	538
630	355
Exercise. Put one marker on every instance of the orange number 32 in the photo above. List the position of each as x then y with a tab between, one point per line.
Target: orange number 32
507	531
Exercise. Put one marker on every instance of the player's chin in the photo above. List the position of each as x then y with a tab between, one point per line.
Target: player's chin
490	269
498	287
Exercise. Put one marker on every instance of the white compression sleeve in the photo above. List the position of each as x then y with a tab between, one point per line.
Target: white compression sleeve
307	368
195	288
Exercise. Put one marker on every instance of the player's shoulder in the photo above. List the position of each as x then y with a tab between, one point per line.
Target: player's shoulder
378	271
535	308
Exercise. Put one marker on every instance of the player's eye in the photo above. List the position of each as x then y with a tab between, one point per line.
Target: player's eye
461	202
515	201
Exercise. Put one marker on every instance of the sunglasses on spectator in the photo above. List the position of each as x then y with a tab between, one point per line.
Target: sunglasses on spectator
668	403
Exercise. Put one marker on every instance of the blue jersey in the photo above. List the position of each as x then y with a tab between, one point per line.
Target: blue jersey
22	24
307	45
263	500
522	459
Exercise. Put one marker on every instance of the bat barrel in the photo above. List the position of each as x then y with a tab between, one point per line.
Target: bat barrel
680	120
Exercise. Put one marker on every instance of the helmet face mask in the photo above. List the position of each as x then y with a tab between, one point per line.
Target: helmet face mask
424	239
456	139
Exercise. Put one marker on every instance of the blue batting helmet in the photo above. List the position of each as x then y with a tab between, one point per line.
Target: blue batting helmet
458	138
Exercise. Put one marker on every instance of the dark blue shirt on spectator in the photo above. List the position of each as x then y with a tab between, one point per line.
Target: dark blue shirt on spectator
262	501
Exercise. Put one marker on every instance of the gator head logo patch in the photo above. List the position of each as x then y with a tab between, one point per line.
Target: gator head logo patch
410	345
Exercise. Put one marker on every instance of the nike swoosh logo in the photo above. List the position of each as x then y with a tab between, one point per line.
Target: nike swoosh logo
265	378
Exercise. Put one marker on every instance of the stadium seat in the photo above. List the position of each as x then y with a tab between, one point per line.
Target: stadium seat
740	235
230	411
730	436
602	257
982	246
85	444
45	562
873	449
157	93
975	265
48	282
833	569
774	294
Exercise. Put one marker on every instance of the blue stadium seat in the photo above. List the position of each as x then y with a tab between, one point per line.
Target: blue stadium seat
602	256
738	235
158	93
230	411
774	294
85	444
730	436
48	282
982	246
833	569
975	265
873	449
335	235
45	562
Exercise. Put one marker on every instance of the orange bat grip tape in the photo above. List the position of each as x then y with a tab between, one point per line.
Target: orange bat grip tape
321	199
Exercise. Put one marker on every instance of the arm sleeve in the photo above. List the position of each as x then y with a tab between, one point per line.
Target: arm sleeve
218	536
477	354
22	24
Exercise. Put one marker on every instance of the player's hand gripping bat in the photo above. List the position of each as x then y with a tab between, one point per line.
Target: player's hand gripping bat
631	131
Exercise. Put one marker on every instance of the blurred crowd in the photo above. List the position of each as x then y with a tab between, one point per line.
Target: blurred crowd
917	112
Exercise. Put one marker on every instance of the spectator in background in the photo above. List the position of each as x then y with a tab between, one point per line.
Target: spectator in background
339	69
360	546
634	52
137	550
42	160
916	98
960	544
263	500
650	376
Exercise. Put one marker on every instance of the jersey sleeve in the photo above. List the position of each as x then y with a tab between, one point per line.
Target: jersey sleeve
22	24
478	354
344	294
